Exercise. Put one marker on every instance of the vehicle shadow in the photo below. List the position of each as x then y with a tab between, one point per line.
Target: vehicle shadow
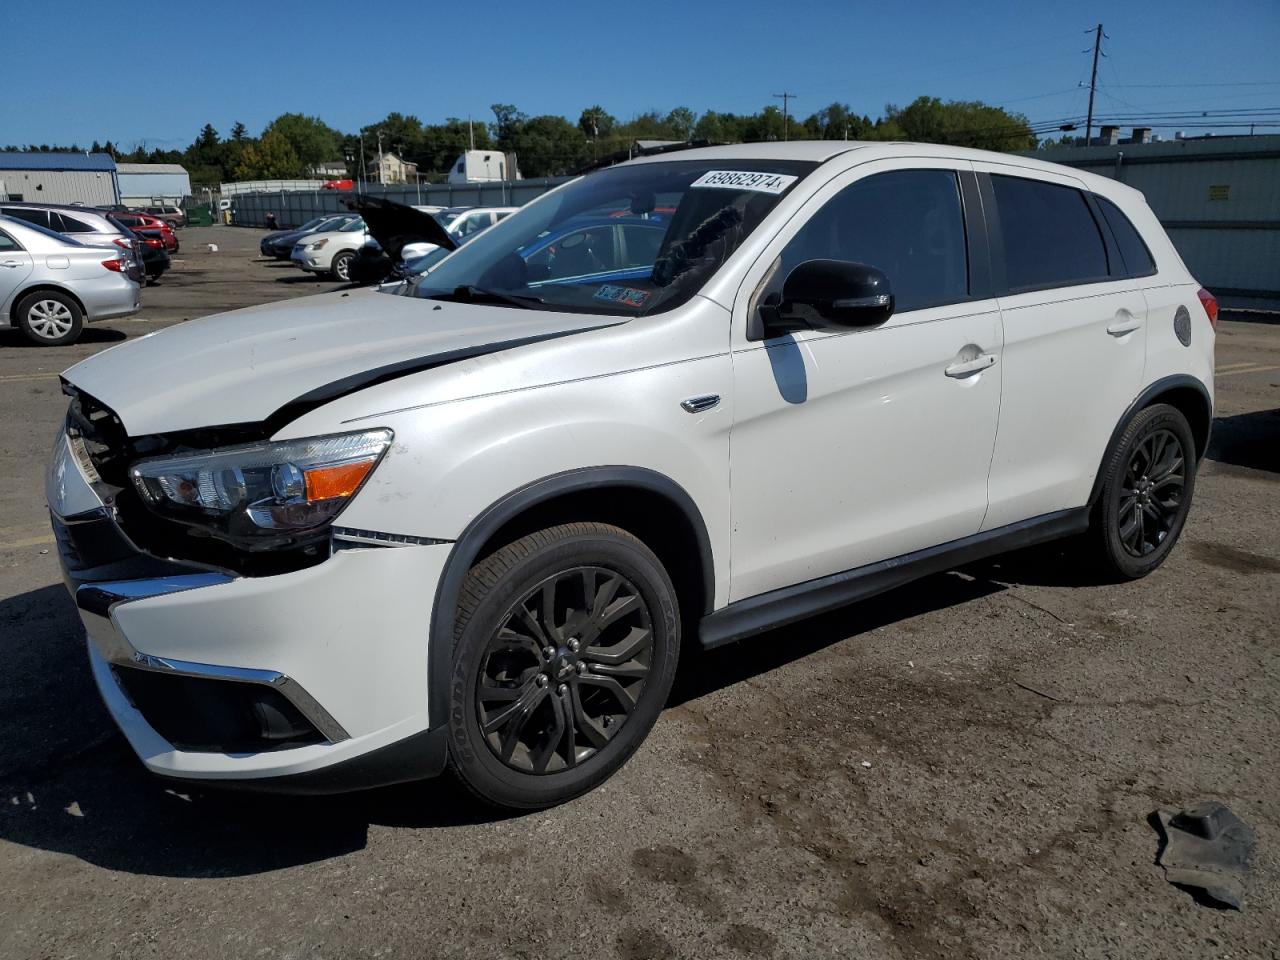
69	783
703	672
13	337
1247	440
304	278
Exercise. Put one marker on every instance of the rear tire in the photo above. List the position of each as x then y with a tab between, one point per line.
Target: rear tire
1146	494
565	648
50	319
340	268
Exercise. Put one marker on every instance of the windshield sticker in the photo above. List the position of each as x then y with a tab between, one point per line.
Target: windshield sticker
623	296
745	180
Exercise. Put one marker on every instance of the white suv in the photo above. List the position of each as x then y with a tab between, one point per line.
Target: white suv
331	252
350	540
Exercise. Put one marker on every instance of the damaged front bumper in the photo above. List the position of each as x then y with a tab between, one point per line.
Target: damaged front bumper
307	681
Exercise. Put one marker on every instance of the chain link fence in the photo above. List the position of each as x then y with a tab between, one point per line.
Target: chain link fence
292	208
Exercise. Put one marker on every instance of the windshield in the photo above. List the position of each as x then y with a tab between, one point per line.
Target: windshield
446	217
312	224
628	240
427	261
356	224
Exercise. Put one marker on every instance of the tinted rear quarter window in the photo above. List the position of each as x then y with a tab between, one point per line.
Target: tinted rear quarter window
1048	234
65	224
1137	258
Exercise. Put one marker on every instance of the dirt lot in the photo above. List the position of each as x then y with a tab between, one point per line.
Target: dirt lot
963	768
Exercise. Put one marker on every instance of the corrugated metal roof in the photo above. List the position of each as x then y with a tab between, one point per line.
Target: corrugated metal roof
15	160
151	168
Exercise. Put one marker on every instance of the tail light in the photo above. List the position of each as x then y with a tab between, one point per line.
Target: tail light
155	243
124	243
115	266
1210	304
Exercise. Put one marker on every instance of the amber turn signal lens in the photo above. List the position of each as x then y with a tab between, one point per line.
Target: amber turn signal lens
326	483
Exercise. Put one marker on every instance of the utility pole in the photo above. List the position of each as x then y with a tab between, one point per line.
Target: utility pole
1093	83
361	172
784	97
381	171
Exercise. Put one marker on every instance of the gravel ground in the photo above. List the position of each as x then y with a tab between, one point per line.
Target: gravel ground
962	768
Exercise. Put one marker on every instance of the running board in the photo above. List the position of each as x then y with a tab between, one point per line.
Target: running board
777	608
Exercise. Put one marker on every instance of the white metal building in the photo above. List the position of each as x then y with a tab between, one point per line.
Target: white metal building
1218	197
142	184
83	178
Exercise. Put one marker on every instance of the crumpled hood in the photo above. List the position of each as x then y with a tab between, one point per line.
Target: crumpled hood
245	366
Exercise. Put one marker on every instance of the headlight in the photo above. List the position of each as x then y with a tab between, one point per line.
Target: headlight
264	490
319	244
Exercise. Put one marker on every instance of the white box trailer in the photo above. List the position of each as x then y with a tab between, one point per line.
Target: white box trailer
484	166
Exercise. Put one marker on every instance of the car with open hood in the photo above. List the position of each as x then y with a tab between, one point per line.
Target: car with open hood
471	521
399	232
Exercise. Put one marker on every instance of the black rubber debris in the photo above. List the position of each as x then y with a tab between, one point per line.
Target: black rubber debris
1206	847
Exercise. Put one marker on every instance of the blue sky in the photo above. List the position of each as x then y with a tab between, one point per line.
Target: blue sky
234	60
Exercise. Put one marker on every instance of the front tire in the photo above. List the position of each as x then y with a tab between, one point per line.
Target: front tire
565	648
1146	494
341	266
50	319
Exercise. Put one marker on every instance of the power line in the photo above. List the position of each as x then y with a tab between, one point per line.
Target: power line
1240	83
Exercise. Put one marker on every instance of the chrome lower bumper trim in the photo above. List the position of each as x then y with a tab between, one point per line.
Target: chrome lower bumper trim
97	601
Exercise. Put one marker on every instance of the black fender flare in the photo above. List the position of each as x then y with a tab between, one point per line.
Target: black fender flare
1163	385
467	547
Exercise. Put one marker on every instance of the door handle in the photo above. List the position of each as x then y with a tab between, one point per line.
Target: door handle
10	263
966	368
1123	325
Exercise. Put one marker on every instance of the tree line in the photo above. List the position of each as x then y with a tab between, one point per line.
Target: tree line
293	144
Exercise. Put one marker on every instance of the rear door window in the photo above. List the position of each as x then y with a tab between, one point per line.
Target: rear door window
1137	258
38	217
7	243
1049	237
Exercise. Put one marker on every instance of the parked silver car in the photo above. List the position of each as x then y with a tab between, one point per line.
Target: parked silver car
89	226
50	285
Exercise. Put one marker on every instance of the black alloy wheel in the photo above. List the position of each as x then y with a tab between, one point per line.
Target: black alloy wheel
1148	481
1151	497
564	670
565	648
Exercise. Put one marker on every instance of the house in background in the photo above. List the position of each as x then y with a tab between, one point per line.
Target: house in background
389	168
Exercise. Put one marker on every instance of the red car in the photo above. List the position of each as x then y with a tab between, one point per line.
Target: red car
338	185
145	221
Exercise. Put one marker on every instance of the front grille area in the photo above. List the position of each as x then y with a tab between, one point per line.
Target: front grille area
204	715
112	451
95	550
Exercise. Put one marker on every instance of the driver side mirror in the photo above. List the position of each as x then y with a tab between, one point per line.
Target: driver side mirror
822	294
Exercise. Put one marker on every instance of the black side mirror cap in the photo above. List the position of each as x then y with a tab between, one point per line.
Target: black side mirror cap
825	294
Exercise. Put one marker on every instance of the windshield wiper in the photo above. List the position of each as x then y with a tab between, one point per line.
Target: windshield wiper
470	294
